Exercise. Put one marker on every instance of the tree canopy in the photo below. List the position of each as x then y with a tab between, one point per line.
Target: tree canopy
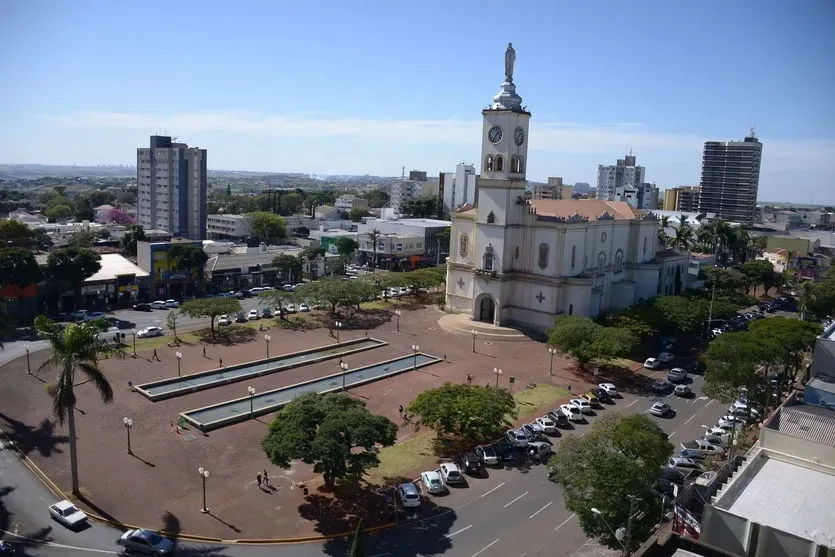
266	226
468	411
18	268
587	341
211	308
73	266
189	258
618	458
132	235
422	207
325	431
288	267
357	213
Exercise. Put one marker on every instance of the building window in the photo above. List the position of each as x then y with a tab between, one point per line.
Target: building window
601	262
517	165
491	218
573	255
645	246
543	255
488	163
516	253
619	261
499	163
488	258
570	309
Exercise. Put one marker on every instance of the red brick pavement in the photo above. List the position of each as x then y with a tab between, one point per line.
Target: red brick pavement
162	475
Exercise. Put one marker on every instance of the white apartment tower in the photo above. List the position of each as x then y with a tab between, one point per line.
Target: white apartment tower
415	187
611	177
172	188
458	187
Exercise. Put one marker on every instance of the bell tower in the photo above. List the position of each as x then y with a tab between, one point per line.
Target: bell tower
504	141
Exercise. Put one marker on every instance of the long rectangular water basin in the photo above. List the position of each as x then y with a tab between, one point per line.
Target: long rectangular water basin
227	413
176	386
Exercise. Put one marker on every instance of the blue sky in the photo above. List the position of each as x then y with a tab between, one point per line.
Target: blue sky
364	87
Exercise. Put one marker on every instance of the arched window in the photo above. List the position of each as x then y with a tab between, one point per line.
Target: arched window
488	258
619	261
601	262
499	163
570	309
491	218
573	255
543	255
488	163
516	164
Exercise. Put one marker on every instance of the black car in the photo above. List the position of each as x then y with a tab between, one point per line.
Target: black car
470	463
696	367
142	307
601	395
559	418
241	317
507	451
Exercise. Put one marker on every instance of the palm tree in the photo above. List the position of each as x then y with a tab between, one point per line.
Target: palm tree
662	231
806	298
683	238
374	237
74	348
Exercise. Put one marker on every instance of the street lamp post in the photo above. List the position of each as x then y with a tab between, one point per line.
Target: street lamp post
28	365
475	334
204	474
179	360
552	351
344	367
134	342
251	391
397	313
498	373
267	339
615	534
415	350
128	424
337	325
627	538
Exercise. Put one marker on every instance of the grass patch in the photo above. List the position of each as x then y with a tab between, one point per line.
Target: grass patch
538	399
376	304
297	322
399	459
157	342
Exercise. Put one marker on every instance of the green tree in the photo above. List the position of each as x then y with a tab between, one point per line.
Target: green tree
355	292
443	238
326	431
171	323
58	213
346	247
684	235
725	279
586	341
617	460
790	339
15	234
278	299
374	237
191	259
211	308
288	267
72	266
357	213
132	235
76	348
423	207
83	239
732	361
18	269
376	198
663	225
266	226
330	290
760	272
470	412
356	549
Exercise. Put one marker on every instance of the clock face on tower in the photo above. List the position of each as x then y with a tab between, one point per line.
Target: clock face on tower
495	135
518	136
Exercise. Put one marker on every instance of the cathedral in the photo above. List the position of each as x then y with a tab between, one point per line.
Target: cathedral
520	262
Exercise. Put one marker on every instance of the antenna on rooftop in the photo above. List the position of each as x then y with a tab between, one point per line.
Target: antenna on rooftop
403	172
753	132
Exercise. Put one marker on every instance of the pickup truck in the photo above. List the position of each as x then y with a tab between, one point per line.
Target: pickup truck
703	446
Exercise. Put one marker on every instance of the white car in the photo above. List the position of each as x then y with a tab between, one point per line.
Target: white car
685	465
149	332
67	514
716	332
538	449
582	404
432	482
146	541
652	363
518	437
451	474
290	308
303	307
571	412
610	389
682	390
719	439
660	409
548	425
409	495
704	446
223	320
253	315
666	357
171	304
158	304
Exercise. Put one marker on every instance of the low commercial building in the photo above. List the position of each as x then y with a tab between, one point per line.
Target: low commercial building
166	280
795	245
779	259
393	251
428	229
118	283
344	203
236	267
227	226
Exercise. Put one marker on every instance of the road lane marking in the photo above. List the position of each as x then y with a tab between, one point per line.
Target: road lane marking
690	419
631	403
564	522
459	531
709	402
673	433
492	490
488	546
506	506
542	509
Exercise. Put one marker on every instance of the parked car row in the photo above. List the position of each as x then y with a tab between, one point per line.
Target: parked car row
528	442
157	304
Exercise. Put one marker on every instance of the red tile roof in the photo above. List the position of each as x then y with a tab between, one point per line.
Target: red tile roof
591	209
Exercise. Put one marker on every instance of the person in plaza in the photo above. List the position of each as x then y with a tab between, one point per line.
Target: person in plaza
155	355
220	362
258	479
400	409
204	351
266	478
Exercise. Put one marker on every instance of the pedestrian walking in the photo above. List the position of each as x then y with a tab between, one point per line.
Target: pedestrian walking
258	479
400	409
266	478
220	362
204	351
155	355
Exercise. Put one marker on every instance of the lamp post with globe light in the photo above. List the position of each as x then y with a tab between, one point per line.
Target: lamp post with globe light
344	367
415	350
552	351
619	538
251	391
134	342
475	335
28	365
204	474
498	373
337	325
397	314
267	339
128	424
179	360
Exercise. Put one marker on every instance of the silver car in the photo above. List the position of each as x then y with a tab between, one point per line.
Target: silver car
145	541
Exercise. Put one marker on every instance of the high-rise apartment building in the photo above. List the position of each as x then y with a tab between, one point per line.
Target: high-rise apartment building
554	189
730	179
172	188
417	186
611	177
684	199
459	187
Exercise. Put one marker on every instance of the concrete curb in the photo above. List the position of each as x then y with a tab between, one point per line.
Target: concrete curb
57	492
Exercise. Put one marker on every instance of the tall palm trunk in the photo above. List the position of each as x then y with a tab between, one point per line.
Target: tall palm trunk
73	450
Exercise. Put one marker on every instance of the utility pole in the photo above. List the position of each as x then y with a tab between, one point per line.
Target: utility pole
627	538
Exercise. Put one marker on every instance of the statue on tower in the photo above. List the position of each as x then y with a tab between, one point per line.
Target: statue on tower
509	60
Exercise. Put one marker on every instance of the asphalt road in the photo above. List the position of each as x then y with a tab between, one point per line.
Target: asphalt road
512	513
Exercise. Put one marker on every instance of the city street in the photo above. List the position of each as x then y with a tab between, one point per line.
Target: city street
514	512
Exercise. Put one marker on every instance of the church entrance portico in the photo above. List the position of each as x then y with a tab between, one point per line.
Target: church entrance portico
485	309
